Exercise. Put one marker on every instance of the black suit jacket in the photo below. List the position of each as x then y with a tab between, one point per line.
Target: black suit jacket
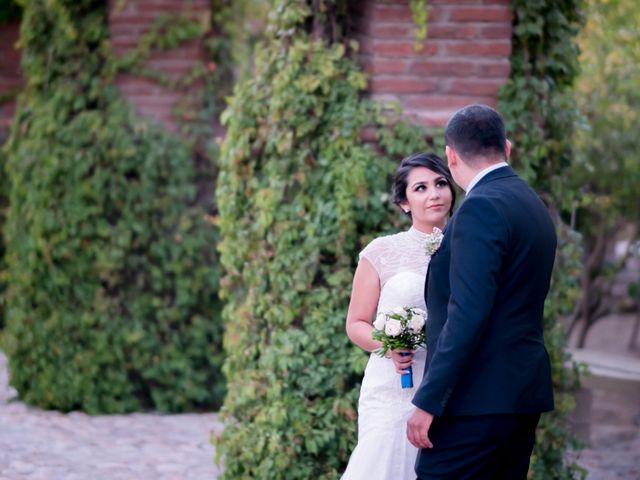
485	293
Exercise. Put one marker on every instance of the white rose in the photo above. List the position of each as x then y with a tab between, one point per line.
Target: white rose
380	321
400	311
420	311
393	327
417	323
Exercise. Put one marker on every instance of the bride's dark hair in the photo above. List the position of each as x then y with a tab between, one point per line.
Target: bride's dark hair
427	160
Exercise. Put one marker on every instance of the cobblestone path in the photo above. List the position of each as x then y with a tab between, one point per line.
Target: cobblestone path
45	445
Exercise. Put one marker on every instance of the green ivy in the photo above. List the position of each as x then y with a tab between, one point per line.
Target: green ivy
539	111
420	14
166	32
111	301
299	195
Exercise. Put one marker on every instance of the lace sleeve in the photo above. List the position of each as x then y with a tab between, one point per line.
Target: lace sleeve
392	254
373	253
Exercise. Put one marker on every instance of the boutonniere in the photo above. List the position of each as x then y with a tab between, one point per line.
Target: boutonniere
433	241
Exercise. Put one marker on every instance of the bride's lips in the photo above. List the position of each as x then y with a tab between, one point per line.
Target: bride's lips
439	205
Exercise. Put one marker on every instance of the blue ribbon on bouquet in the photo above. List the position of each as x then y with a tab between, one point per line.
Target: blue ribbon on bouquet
406	379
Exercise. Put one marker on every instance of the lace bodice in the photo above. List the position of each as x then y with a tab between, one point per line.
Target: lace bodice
402	252
383	450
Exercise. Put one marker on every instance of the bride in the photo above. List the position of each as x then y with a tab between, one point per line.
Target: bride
391	273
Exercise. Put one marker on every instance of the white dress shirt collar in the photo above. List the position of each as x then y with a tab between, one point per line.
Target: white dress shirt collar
483	173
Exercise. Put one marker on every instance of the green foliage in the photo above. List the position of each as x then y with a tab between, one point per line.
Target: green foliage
420	13
553	437
166	32
537	101
606	174
405	337
111	298
298	194
539	112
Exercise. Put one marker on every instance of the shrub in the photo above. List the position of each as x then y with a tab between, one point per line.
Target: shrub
111	298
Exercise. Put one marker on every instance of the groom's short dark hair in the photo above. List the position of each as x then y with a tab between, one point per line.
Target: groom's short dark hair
476	131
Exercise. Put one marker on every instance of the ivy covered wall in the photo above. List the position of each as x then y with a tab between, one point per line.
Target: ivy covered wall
111	302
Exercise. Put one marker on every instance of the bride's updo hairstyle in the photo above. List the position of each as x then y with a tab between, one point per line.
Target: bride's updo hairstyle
430	161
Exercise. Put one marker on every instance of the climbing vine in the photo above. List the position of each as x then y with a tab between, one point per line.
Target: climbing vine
299	195
538	107
420	14
111	301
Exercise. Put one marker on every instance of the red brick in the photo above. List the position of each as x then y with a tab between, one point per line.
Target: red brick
391	13
483	13
401	85
496	30
498	68
10	73
441	101
384	65
475	86
432	67
9	83
397	48
432	118
438	14
391	30
489	49
452	31
127	26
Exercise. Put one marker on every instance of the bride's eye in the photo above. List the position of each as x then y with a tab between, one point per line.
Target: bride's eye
420	188
441	183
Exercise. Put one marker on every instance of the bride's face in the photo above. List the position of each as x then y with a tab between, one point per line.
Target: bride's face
428	198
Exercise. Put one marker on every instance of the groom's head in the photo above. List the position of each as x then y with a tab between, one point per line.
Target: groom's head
477	135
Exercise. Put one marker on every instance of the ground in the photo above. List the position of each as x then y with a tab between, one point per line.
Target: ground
45	445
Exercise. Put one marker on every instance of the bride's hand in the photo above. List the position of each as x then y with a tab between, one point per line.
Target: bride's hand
401	362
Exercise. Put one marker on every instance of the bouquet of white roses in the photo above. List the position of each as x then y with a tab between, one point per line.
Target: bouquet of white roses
403	327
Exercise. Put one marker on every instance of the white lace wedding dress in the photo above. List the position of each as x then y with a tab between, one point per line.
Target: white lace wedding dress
383	451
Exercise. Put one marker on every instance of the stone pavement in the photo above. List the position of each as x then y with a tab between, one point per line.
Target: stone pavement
46	445
614	453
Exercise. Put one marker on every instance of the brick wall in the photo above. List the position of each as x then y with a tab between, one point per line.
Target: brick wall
465	58
127	25
10	76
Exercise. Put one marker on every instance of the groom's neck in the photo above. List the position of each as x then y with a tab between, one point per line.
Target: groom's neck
468	172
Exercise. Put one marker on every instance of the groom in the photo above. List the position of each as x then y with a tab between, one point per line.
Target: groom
488	375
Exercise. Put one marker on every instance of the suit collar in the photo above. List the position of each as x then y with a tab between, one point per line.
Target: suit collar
483	173
502	172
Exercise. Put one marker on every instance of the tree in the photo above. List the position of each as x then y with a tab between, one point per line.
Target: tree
606	172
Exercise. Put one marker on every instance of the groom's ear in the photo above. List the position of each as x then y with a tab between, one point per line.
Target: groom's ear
452	156
507	149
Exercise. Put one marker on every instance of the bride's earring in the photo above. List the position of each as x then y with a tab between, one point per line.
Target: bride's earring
407	211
